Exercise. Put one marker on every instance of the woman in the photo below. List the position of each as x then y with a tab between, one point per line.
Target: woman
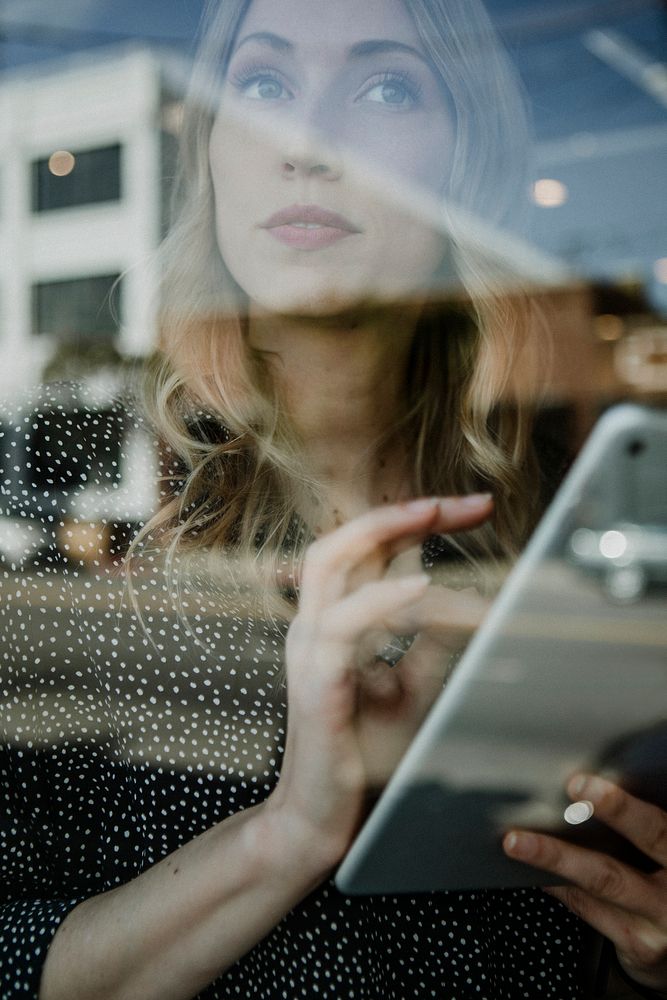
307	391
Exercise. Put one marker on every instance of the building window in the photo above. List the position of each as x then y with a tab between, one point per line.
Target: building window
77	309
69	179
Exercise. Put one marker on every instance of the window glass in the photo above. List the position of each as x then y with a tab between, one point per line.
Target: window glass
78	308
66	179
270	270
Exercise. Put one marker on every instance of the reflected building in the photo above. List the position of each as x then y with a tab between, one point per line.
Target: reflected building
87	150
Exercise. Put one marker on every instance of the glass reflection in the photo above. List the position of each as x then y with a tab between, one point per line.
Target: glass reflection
247	298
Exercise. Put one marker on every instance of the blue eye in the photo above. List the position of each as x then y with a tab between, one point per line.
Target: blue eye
261	85
392	91
387	93
264	88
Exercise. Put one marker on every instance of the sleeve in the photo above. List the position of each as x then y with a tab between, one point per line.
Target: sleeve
28	921
62	799
27	928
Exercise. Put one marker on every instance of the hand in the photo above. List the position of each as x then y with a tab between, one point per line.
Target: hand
343	706
627	906
442	620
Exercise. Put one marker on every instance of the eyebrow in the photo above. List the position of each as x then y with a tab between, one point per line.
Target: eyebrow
380	46
268	38
360	50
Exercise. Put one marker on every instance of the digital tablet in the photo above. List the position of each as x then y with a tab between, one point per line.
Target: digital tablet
568	672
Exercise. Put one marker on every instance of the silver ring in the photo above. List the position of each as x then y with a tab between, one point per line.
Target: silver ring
394	651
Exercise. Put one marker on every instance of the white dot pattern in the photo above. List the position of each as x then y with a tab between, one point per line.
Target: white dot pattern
118	747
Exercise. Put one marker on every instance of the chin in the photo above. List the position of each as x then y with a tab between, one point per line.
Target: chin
315	301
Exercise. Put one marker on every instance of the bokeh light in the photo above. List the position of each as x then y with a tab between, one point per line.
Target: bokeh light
62	163
608	327
549	193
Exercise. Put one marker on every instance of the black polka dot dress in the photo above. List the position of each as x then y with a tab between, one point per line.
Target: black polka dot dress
122	741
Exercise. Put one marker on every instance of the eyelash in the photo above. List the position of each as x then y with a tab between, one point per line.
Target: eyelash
401	79
246	75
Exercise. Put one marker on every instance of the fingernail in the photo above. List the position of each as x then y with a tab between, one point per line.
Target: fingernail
470	502
510	841
596	788
520	845
576	785
414	582
475	500
421	506
587	786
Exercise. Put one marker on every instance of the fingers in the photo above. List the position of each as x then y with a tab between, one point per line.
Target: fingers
454	514
445	614
325	649
596	873
638	938
350	618
643	824
382	532
627	906
624	905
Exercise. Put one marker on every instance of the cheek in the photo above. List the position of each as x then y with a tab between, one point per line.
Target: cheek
404	254
231	164
413	258
237	157
415	154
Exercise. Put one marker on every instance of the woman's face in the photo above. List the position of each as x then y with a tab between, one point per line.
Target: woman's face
330	118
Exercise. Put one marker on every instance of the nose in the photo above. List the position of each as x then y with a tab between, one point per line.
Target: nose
307	152
306	166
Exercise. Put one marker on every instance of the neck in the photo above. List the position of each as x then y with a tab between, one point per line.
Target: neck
342	382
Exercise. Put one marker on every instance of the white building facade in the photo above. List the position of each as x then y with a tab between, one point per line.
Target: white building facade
77	244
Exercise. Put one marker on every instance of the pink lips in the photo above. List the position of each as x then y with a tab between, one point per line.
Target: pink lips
308	227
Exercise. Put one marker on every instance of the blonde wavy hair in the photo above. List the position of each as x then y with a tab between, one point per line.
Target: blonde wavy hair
237	478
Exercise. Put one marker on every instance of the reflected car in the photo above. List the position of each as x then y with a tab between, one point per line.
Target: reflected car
70	470
22	540
629	557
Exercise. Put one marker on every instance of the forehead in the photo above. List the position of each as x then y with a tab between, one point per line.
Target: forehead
331	26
